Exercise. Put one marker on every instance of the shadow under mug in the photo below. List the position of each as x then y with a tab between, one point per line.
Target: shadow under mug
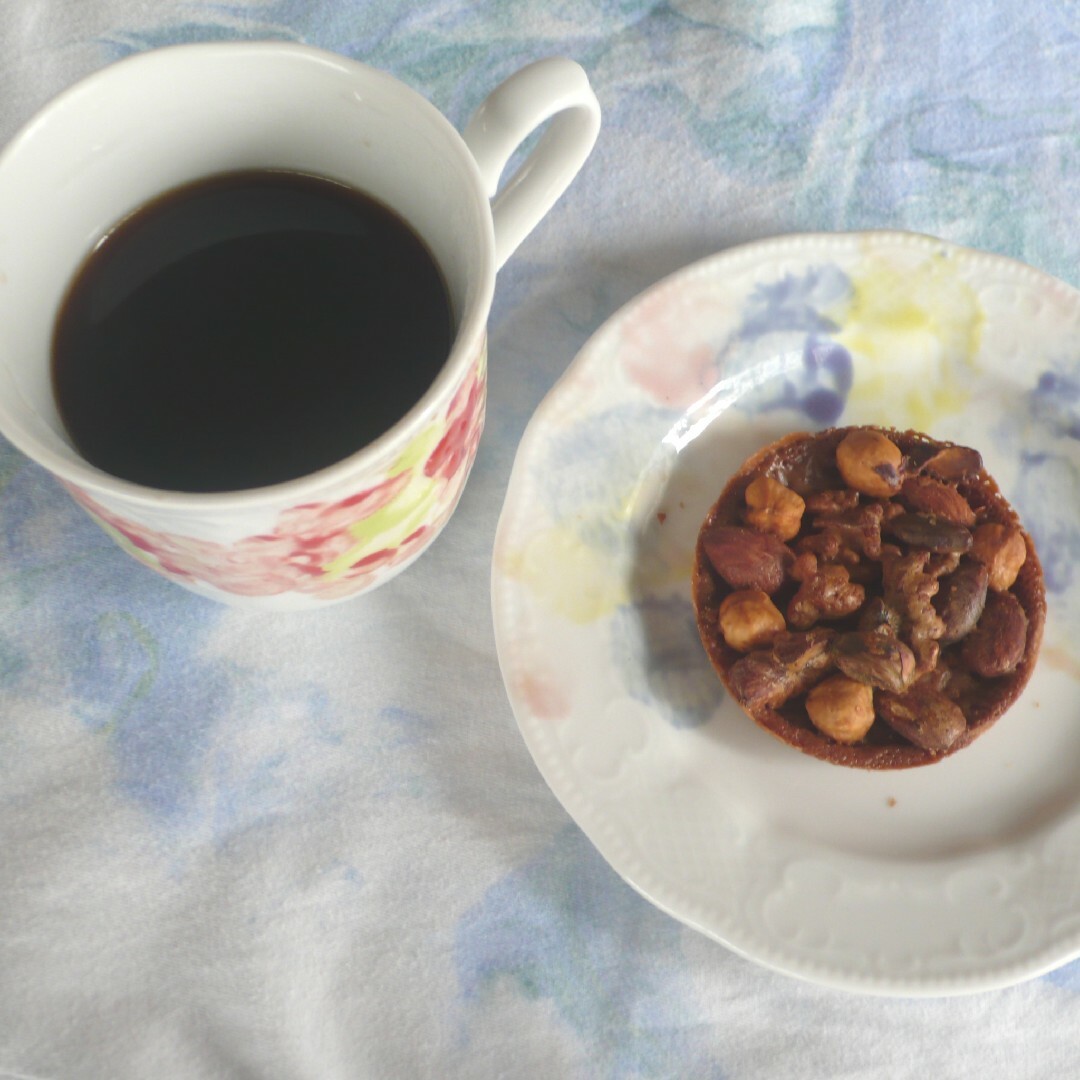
167	117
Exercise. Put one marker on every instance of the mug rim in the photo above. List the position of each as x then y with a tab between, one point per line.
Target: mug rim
468	340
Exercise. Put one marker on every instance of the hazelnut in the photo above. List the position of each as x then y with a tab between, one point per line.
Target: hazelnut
841	708
1001	549
870	463
750	620
773	507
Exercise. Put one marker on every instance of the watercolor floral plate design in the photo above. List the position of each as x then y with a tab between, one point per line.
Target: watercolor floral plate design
948	879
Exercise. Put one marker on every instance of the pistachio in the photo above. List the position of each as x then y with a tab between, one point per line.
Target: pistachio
930	533
954	463
875	657
793	664
961	599
923	716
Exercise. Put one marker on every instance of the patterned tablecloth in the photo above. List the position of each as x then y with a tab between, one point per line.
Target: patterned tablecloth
243	845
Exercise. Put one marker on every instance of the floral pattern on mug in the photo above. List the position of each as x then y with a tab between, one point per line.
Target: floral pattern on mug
334	548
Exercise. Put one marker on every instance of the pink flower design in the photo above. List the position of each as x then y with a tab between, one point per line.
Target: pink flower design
465	423
299	554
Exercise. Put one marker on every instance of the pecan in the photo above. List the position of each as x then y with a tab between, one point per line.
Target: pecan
793	664
859	530
747	559
876	657
930	496
962	599
941	563
829	594
923	716
996	645
909	591
827	546
929	532
832	502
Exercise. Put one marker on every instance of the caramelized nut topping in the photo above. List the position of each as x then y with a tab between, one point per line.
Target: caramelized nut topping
903	618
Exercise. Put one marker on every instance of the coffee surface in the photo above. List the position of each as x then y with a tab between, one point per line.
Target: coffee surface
245	330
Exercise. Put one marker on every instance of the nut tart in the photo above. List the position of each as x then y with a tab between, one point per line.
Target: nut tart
868	595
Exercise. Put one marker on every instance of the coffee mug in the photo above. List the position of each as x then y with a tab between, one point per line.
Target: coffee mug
168	117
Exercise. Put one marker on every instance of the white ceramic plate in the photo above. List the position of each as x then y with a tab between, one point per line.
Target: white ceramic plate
956	877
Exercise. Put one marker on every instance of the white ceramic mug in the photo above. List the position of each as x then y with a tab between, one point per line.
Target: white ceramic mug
167	117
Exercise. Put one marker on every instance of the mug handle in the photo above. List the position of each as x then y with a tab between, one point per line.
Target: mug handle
557	88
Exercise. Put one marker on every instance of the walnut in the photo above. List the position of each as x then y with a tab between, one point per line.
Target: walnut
870	463
773	507
833	501
841	708
858	530
749	620
1001	549
829	594
909	591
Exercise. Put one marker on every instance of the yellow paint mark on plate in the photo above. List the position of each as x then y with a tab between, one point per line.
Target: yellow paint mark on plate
567	575
920	328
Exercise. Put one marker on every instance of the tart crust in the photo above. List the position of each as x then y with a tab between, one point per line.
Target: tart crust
806	462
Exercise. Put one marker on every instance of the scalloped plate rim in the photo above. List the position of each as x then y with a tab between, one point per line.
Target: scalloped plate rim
600	832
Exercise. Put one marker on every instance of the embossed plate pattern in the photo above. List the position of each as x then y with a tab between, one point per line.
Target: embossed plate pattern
957	877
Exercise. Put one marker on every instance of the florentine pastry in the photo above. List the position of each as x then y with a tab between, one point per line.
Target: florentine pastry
868	595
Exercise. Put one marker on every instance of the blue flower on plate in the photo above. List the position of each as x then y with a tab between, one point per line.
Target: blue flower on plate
1055	403
783	351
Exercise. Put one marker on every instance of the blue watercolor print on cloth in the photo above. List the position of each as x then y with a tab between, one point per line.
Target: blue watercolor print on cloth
563	930
1066	977
127	652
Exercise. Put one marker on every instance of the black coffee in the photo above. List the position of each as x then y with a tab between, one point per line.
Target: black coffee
245	330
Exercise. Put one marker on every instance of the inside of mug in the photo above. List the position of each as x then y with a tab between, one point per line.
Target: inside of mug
164	119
